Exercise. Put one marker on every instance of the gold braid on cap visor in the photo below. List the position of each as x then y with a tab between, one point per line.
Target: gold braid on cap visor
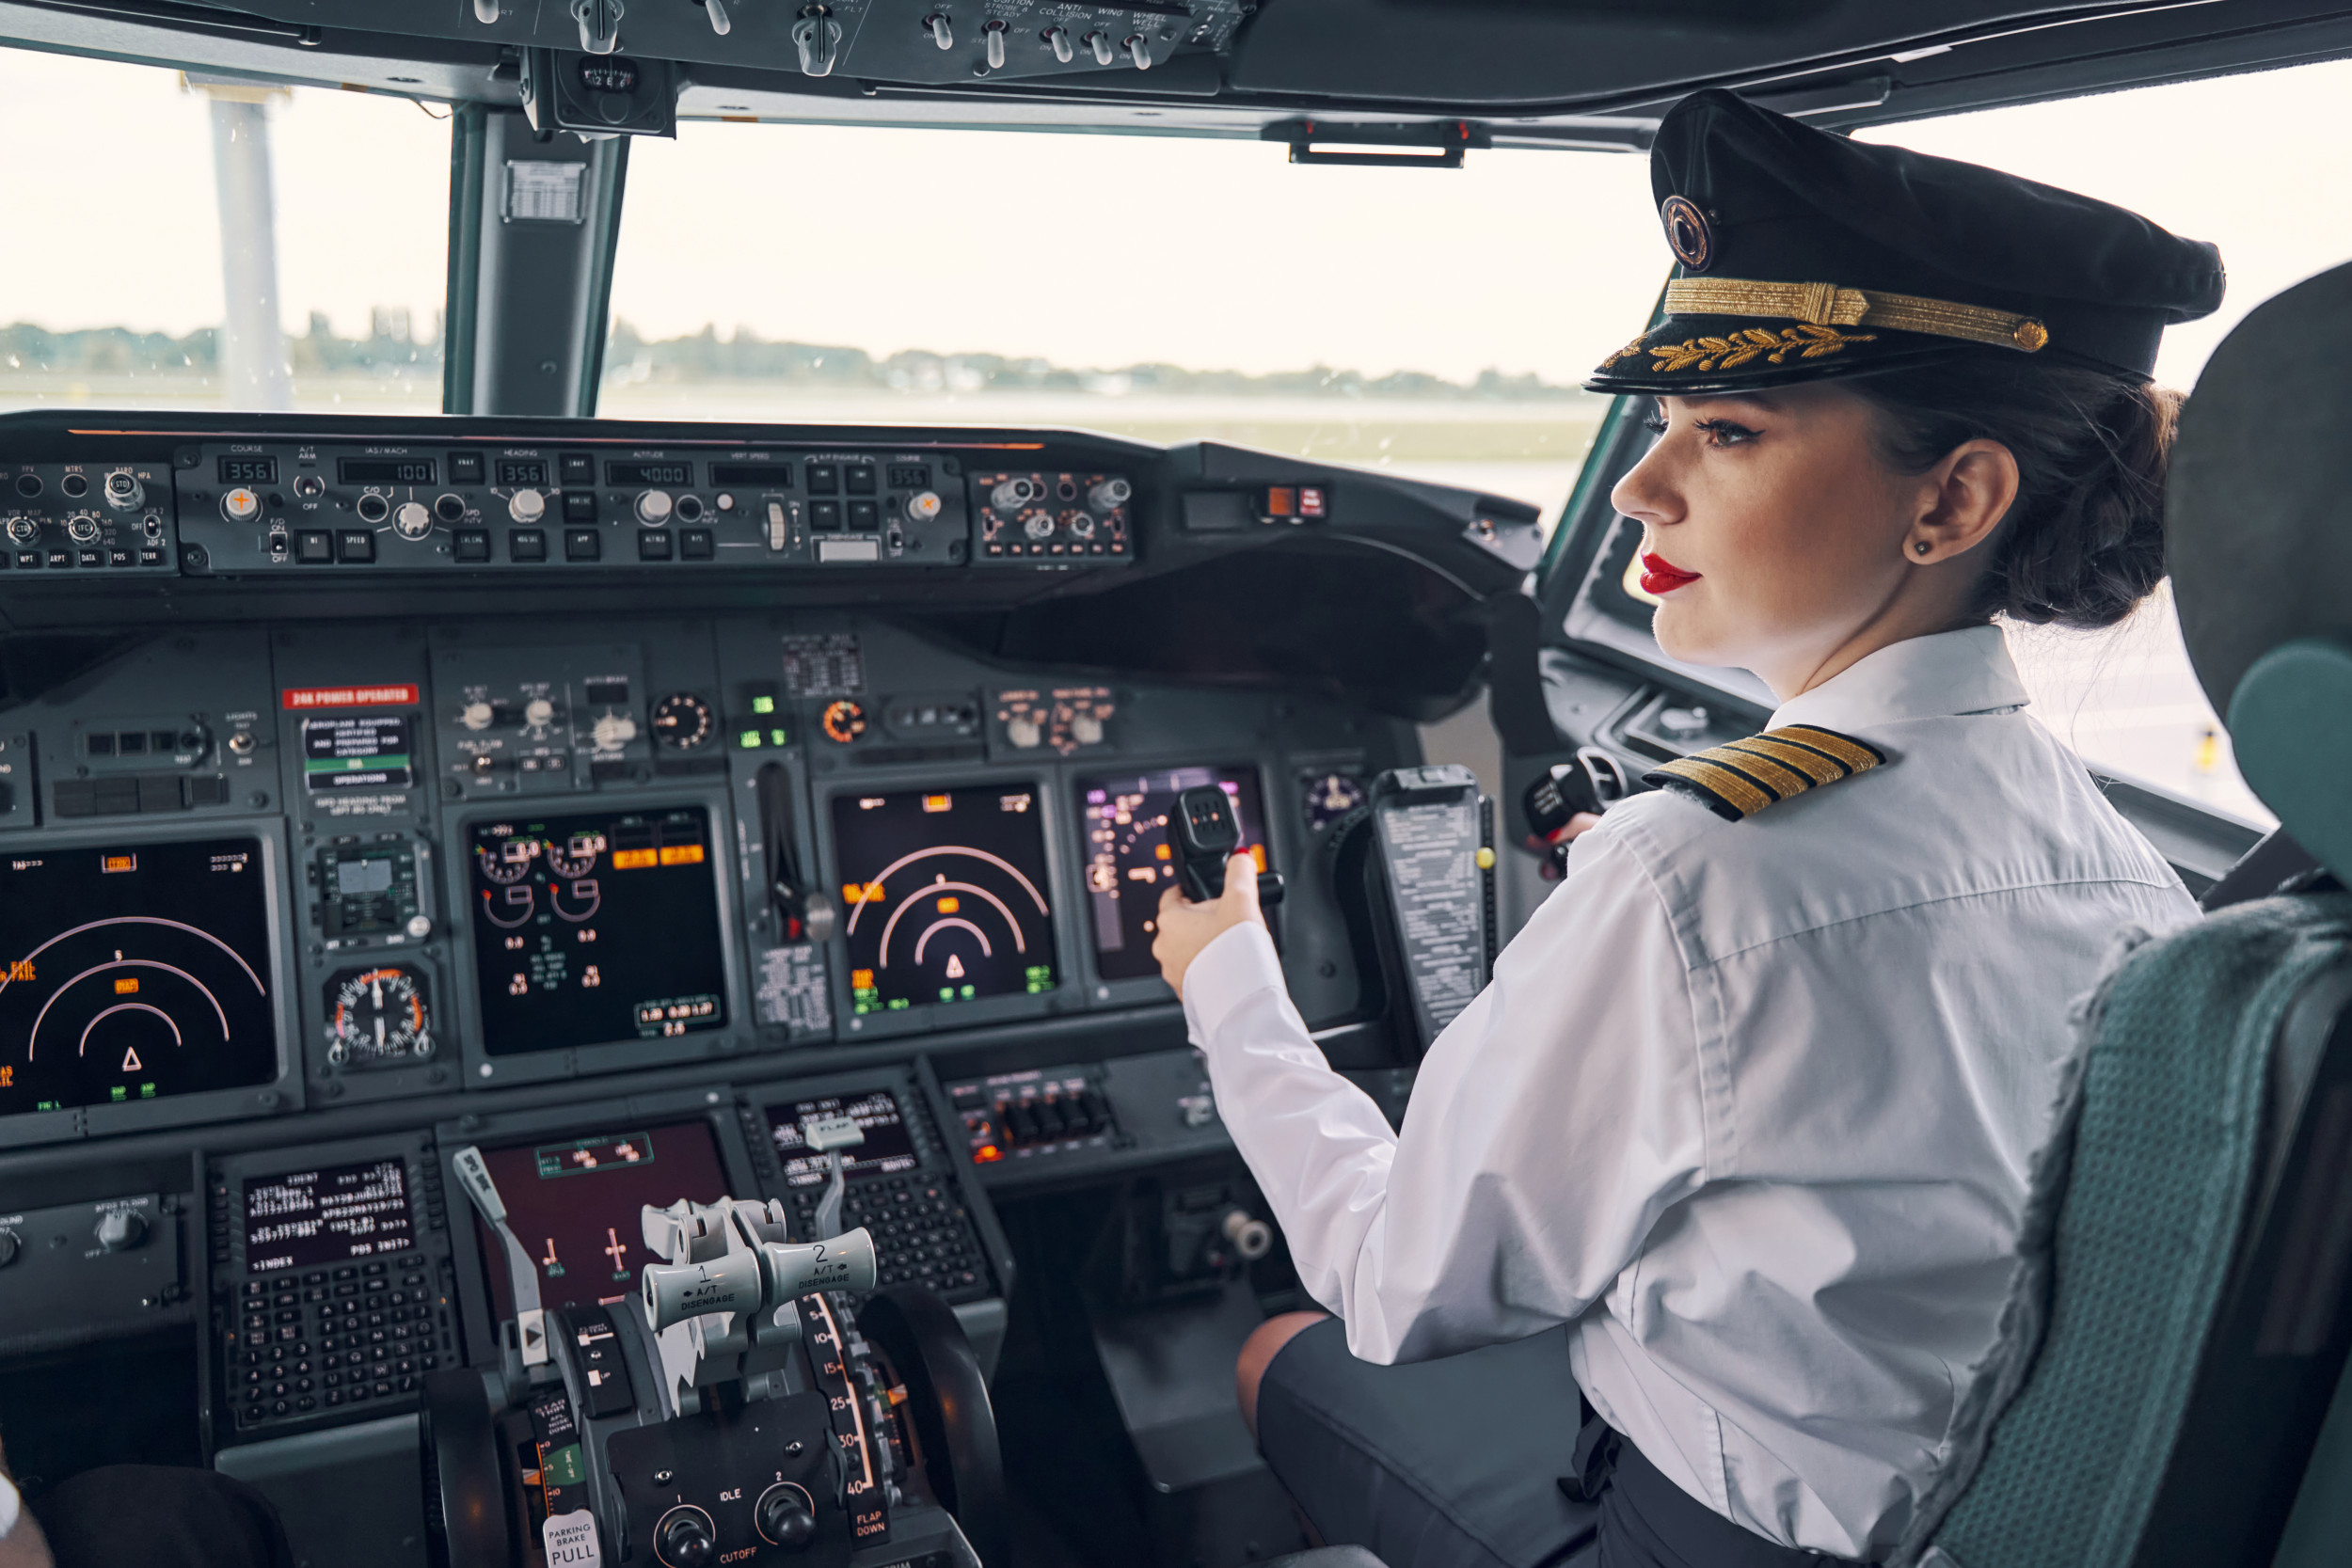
1827	305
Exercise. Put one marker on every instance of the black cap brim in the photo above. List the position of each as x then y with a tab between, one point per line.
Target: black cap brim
1732	353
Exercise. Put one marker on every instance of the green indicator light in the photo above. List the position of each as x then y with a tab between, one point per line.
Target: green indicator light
967	993
947	993
778	737
898	1004
146	1091
749	740
763	704
119	1092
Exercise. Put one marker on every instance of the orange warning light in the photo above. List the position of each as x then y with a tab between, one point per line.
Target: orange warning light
861	892
1257	853
117	862
861	980
939	803
127	986
949	903
1163	851
985	1154
7	1077
631	860
682	854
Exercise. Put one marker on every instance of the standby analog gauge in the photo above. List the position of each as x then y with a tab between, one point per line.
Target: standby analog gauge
681	722
843	722
1331	796
375	1016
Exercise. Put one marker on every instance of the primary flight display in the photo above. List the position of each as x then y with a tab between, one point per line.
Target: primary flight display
135	971
1129	863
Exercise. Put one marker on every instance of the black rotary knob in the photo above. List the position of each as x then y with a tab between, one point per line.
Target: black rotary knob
685	1540
785	1518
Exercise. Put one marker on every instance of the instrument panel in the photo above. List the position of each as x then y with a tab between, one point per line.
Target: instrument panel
388	859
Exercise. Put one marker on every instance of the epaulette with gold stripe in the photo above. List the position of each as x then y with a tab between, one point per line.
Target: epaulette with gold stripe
1740	779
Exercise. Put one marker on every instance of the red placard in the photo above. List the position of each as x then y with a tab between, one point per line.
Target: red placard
350	696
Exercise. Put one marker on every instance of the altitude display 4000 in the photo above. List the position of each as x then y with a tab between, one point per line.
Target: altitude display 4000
595	928
133	971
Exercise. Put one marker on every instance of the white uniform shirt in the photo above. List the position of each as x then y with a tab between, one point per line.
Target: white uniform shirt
1749	1103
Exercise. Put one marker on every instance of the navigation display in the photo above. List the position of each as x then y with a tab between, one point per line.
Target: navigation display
1129	862
576	1206
306	1218
945	895
595	927
888	1146
133	971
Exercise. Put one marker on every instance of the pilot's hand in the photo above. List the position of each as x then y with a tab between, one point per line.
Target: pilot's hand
1187	927
1581	823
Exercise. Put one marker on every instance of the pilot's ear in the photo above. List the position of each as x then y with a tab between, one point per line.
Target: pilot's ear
1963	499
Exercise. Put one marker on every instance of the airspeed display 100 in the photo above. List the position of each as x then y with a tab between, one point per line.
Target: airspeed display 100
944	896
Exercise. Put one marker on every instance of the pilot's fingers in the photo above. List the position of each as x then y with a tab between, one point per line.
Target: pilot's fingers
1173	897
1241	885
1578	825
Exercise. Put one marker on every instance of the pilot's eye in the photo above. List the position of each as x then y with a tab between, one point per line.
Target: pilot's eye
1655	423
1723	432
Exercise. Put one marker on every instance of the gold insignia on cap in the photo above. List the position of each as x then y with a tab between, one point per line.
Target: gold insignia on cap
1735	349
1829	305
1738	780
1688	233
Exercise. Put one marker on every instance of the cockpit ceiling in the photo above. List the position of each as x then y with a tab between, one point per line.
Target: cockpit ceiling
1568	72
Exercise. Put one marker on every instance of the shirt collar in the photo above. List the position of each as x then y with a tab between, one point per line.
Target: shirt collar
1938	676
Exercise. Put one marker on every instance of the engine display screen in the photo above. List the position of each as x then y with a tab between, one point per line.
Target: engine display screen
133	971
888	1146
595	928
575	1204
306	1218
1130	861
944	896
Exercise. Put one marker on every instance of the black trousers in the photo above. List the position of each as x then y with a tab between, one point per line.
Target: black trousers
1481	1461
160	1516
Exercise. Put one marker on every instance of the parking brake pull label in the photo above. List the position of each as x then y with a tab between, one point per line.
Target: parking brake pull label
570	1540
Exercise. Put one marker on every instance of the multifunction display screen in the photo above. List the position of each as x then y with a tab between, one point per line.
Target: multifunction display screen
133	971
944	896
306	1218
1130	861
888	1146
595	928
576	1206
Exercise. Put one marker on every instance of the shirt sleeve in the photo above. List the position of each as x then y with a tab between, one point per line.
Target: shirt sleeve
1550	1123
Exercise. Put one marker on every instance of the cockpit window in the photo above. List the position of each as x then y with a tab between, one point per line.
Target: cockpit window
2234	159
183	242
1430	324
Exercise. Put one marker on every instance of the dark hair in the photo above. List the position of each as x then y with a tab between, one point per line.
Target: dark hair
2083	543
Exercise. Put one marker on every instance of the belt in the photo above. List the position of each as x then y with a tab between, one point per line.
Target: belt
1647	1521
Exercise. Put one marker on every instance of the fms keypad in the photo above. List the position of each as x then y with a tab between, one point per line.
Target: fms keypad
334	1289
899	1185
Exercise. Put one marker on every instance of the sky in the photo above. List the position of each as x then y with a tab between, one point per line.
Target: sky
1087	250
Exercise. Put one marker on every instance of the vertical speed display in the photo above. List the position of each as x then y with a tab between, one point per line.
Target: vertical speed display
595	927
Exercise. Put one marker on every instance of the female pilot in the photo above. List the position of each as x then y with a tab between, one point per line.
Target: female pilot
1750	1103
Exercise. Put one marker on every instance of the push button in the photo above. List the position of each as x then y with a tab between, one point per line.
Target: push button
527	543
355	545
314	545
581	543
473	545
695	543
653	544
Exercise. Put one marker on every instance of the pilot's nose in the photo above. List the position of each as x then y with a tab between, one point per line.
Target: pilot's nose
1646	493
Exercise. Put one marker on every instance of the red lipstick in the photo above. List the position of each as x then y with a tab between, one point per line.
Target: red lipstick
1661	577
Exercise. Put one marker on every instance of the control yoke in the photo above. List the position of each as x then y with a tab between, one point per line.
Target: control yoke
1204	834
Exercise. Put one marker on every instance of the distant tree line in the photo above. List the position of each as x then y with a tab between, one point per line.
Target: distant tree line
392	349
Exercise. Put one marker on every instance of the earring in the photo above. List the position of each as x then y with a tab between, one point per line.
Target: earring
1923	547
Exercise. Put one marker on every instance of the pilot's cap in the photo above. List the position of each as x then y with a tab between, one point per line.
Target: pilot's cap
1804	255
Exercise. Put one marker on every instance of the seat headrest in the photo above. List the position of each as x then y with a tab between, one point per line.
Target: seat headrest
2258	521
